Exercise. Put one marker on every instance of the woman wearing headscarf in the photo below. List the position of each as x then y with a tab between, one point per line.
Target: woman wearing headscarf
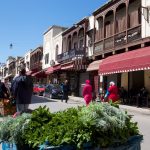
113	92
87	92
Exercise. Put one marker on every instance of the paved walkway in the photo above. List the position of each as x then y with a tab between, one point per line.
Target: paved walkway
142	110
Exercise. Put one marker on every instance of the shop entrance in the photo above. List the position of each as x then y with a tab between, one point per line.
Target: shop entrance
136	80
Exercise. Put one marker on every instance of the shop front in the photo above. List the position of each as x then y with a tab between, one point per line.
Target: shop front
75	73
129	70
92	69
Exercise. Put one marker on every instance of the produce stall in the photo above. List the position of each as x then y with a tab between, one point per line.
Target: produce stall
100	126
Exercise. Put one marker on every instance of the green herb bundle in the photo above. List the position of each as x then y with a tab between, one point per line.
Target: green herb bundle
99	124
34	134
12	129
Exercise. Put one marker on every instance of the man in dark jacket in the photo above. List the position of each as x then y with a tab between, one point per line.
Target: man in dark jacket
65	89
22	88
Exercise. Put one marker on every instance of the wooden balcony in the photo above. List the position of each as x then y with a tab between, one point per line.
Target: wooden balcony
36	65
70	54
118	40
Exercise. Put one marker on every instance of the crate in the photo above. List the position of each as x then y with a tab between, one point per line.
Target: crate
8	146
6	107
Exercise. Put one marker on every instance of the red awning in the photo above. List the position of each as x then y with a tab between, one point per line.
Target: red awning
34	74
39	74
94	65
77	65
49	70
29	72
126	62
67	66
57	67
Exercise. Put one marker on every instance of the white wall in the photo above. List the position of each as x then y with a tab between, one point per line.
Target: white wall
51	37
57	40
145	23
90	27
47	46
27	59
91	23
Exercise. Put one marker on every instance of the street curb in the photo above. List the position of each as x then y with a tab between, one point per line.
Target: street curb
145	111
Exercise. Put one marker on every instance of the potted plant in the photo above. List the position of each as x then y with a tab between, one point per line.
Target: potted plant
100	125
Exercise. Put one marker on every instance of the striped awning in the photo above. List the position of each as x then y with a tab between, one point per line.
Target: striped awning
57	67
29	72
39	74
126	62
49	70
94	65
77	64
67	66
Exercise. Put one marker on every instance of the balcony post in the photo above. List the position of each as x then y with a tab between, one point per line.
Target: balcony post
127	9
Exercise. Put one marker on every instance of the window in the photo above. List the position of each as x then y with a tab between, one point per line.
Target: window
69	45
81	44
75	45
46	58
56	51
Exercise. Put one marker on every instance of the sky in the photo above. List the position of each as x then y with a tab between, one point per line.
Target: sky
23	22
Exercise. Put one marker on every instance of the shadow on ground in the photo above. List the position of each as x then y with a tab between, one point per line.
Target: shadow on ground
36	99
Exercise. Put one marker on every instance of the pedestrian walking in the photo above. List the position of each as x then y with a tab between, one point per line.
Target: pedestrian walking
87	92
113	92
65	90
22	88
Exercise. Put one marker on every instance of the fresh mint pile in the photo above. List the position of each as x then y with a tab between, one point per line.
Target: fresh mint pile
99	124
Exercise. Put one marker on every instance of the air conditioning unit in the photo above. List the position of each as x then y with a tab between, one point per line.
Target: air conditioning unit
90	43
52	62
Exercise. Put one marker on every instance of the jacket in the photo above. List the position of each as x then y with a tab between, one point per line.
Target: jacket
113	93
22	88
87	93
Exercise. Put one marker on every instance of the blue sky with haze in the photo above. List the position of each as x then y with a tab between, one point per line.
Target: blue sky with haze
23	22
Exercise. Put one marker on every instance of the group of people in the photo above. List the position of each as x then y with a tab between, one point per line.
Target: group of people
111	94
22	87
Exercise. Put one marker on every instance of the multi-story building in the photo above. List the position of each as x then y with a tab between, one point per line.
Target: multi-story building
73	56
36	56
17	65
52	46
4	71
27	62
2	66
10	68
94	65
122	40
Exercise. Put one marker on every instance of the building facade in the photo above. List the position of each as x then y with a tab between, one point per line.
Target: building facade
122	26
73	57
35	66
52	46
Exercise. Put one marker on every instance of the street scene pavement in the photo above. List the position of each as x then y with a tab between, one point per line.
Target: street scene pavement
142	116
